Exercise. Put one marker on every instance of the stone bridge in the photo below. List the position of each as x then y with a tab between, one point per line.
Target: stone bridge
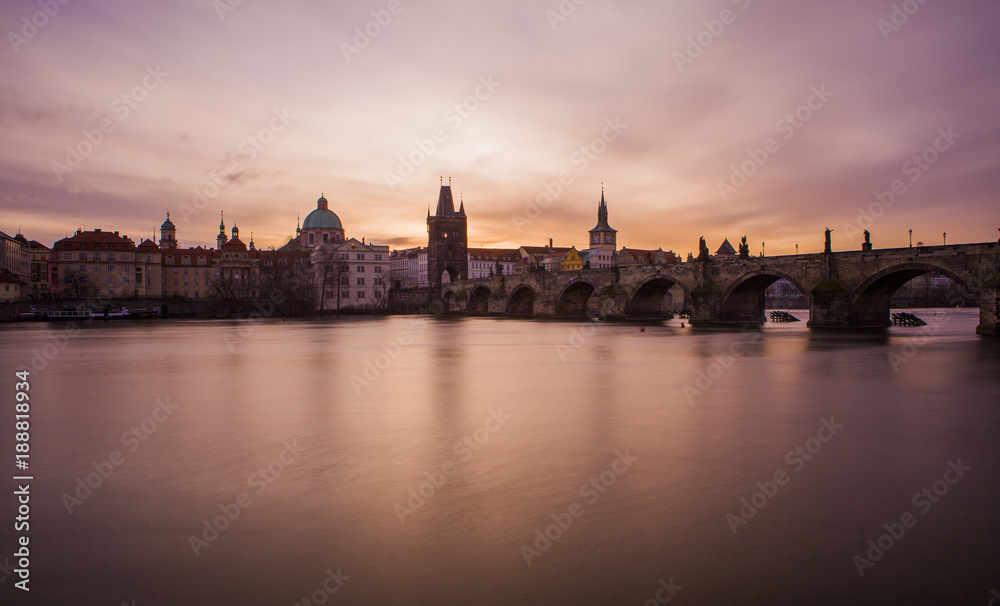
844	289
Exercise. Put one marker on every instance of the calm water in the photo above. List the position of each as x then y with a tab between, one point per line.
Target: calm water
512	420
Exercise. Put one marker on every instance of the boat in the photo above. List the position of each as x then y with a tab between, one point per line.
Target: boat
121	313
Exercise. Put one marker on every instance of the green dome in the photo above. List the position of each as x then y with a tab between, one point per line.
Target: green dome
168	224
322	218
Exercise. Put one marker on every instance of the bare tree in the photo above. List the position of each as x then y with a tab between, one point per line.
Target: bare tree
77	282
330	269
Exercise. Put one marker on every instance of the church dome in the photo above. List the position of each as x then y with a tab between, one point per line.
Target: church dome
168	224
322	217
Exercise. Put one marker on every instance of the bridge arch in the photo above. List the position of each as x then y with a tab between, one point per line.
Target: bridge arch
870	300
743	300
646	299
479	300
576	299
521	302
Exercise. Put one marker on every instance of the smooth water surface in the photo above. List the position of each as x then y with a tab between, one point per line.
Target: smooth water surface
419	456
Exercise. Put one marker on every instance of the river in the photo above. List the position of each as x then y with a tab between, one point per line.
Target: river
416	460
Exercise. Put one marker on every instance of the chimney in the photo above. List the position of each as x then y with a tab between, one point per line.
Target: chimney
550	242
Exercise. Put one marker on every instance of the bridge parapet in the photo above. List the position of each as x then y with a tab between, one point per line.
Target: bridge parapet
848	289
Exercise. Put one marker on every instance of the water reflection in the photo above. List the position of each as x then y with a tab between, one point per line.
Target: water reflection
566	413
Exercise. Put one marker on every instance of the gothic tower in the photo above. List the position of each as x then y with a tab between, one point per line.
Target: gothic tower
603	235
447	241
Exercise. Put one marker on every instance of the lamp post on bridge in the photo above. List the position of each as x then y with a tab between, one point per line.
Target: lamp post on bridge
944	238
911	238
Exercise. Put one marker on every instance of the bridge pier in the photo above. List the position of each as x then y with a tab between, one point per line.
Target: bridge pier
830	306
989	307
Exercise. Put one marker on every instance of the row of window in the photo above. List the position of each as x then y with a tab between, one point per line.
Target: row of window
346	294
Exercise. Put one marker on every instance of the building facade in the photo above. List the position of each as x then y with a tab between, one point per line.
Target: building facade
489	262
39	256
14	256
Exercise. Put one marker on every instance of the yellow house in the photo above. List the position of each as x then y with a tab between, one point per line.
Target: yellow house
571	261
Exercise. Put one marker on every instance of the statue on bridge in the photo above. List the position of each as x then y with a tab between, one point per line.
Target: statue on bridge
829	243
867	246
702	250
744	249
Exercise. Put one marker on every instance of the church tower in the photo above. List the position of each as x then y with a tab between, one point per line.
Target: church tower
221	240
447	241
603	235
168	234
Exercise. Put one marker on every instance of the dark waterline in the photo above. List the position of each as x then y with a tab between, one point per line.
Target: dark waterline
680	425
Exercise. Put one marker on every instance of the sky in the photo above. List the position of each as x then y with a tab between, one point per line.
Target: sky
773	119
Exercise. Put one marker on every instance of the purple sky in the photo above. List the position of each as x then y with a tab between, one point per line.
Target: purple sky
181	92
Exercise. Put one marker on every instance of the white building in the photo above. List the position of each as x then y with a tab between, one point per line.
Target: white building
487	262
356	274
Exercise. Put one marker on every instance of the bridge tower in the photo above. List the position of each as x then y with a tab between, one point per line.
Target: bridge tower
603	235
447	241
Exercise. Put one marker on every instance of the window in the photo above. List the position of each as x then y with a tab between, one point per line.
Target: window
345	280
97	268
67	255
361	256
378	269
378	257
124	279
326	238
111	267
378	295
345	294
361	281
361	269
111	256
82	257
97	256
83	268
361	294
312	238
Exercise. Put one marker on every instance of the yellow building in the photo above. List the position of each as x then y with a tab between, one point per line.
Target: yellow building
571	261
